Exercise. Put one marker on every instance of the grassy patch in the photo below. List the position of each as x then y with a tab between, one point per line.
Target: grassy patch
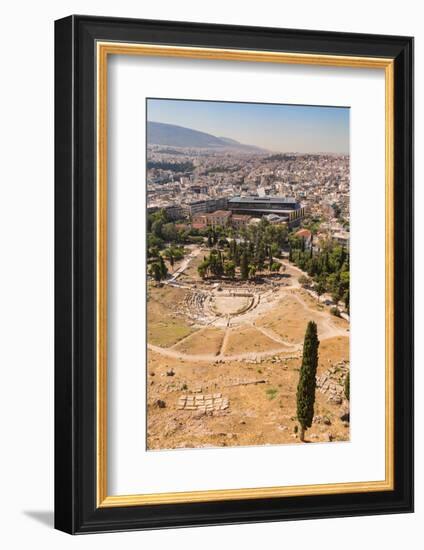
208	340
164	327
167	332
271	393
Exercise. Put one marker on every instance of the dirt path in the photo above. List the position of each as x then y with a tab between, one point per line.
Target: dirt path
330	330
183	266
327	329
186	338
173	354
269	333
224	342
325	296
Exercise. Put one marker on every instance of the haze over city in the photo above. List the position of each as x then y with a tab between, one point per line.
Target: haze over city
277	128
248	274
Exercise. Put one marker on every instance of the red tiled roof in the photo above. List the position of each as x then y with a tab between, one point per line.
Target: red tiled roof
220	214
304	233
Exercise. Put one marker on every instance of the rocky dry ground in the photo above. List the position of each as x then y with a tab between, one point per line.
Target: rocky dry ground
224	386
257	403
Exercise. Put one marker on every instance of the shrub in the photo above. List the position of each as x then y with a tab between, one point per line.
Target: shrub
271	393
304	281
347	386
335	311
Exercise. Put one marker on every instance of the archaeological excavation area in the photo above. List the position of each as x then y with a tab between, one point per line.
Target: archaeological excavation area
224	359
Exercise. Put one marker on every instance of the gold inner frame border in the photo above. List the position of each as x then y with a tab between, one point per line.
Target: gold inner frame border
103	50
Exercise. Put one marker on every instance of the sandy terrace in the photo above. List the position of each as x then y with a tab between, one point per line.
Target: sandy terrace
206	341
246	339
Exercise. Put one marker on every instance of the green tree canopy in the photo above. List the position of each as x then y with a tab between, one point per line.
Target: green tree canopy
305	396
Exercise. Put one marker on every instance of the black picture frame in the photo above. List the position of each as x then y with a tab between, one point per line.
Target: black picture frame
76	510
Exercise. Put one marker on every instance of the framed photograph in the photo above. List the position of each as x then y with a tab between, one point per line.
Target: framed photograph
234	274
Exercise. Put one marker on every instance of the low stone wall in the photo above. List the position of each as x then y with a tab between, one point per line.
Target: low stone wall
331	383
202	403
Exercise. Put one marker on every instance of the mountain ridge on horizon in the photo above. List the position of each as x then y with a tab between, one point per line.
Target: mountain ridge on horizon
161	133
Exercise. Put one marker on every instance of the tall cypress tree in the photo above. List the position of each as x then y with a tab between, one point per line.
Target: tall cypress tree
236	257
270	259
244	267
163	268
231	252
220	264
307	379
346	299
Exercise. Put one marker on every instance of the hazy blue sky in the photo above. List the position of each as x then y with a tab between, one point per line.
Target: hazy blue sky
290	128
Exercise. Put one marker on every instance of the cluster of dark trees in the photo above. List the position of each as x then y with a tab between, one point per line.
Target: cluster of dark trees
327	267
158	269
250	250
216	264
253	249
217	237
258	234
173	253
161	230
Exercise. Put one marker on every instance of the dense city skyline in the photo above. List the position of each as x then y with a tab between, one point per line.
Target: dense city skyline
279	128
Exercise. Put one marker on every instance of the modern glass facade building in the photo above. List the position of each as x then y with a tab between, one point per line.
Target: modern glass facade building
287	208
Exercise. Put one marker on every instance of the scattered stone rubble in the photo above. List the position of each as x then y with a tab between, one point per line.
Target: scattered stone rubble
331	383
194	306
319	419
203	403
